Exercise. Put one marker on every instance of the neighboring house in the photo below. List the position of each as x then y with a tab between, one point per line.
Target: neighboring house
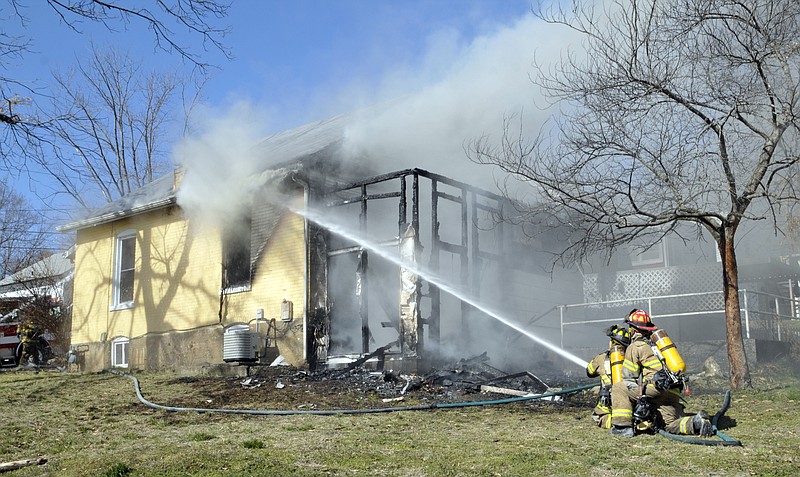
680	283
49	277
290	277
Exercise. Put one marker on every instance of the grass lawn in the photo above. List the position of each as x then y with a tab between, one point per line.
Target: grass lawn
94	425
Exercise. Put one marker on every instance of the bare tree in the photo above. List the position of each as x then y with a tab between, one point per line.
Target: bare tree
21	232
25	126
678	111
114	142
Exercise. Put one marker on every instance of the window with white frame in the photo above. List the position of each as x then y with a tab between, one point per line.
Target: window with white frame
124	269
119	352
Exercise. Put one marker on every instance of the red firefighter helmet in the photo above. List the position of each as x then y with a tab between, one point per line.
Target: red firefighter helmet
640	320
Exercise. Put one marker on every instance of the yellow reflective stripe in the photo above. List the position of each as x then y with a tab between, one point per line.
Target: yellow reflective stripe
603	409
621	413
630	365
590	368
605	379
607	424
653	364
684	425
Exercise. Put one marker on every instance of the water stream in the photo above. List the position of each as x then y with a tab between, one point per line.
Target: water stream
324	221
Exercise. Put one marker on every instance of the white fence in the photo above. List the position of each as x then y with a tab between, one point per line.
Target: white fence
693	316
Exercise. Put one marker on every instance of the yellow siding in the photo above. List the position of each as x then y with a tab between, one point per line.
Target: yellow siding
280	275
177	282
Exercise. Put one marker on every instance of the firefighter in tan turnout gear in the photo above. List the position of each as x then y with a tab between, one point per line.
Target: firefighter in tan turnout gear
608	366
649	394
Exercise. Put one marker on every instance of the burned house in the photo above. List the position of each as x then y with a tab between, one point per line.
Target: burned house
329	261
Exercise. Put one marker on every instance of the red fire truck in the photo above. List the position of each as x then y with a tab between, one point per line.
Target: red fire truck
9	344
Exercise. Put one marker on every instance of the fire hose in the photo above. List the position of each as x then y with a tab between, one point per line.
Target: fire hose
724	440
331	412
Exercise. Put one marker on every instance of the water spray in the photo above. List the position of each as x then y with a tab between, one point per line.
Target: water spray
430	276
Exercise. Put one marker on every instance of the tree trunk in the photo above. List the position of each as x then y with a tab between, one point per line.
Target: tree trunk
737	360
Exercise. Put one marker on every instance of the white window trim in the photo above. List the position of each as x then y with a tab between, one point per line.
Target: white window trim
233	290
115	285
125	343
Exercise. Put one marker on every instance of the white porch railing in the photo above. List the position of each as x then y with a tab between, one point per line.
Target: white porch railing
762	314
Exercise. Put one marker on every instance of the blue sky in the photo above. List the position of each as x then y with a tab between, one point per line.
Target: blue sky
298	60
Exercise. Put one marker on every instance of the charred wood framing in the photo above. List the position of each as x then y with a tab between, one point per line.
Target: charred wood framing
362	292
318	323
402	211
415	206
434	292
410	284
470	201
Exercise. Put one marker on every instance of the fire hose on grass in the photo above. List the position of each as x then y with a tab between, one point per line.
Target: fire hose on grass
331	412
726	441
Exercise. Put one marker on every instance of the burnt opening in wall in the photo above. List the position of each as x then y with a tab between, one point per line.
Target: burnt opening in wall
364	313
237	253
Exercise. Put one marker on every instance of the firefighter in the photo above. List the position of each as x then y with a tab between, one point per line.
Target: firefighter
607	365
29	336
649	393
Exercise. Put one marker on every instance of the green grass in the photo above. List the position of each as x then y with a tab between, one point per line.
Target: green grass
94	425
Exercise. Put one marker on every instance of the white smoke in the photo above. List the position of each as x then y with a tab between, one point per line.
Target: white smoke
219	167
459	92
486	81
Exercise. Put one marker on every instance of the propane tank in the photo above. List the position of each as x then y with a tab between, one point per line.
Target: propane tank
668	352
616	357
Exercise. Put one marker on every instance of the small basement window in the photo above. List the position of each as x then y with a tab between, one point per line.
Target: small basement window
119	352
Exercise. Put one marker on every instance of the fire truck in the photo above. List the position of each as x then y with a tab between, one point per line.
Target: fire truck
10	348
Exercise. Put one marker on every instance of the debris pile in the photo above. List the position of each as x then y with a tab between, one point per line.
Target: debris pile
465	379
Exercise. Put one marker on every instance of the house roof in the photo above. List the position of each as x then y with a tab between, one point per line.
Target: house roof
155	195
54	265
278	150
52	268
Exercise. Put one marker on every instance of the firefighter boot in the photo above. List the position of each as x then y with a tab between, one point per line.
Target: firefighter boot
701	425
624	431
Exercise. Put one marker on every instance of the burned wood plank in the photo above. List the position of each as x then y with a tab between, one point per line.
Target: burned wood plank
511	392
378	352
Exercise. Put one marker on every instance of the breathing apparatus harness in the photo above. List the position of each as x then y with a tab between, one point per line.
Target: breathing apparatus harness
615	355
669	377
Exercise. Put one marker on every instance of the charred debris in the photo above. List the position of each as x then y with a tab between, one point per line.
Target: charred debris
467	379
